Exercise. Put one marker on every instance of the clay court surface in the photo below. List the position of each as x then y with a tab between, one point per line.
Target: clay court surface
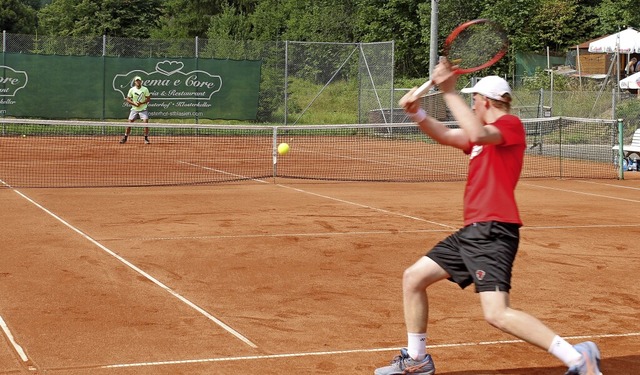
300	277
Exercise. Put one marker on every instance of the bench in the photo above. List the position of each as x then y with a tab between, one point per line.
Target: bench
633	148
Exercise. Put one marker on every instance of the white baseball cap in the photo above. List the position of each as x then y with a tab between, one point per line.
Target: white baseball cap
493	87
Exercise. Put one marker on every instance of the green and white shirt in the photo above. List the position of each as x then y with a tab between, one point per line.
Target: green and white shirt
139	95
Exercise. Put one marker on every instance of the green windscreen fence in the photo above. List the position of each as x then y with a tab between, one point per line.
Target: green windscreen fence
527	63
87	87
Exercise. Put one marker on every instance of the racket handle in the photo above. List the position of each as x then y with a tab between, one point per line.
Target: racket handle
422	90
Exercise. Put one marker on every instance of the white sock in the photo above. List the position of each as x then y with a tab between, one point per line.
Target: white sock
565	351
417	345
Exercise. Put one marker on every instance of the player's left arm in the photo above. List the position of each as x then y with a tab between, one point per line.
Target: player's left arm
147	96
475	132
435	129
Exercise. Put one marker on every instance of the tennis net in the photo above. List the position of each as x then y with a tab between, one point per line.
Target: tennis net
52	153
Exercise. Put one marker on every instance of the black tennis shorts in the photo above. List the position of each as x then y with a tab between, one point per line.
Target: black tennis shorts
480	253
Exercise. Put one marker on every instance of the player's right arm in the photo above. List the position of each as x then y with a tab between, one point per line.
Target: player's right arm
130	100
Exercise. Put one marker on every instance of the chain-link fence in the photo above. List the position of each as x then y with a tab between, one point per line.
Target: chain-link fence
606	104
334	83
299	80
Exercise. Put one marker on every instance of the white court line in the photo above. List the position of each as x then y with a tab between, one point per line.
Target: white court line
610	185
5	328
317	195
16	346
581	226
581	192
324	196
275	356
368	207
414	217
223	172
140	271
341	352
313	234
352	233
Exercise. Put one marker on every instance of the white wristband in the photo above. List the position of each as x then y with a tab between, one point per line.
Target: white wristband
418	116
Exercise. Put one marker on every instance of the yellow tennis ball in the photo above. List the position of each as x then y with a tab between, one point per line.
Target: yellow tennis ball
24	136
283	148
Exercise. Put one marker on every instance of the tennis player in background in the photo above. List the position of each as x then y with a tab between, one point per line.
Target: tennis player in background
139	98
483	251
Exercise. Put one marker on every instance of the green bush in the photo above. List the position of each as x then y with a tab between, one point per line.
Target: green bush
541	79
629	110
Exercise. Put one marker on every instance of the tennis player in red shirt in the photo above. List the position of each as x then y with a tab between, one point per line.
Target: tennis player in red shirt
483	251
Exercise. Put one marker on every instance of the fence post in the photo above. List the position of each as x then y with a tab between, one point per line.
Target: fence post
104	79
361	57
620	149
286	80
393	99
541	103
4	62
197	58
613	104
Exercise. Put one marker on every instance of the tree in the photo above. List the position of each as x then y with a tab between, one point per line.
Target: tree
318	21
124	18
397	20
532	25
515	17
269	19
451	13
555	22
616	15
191	18
230	24
17	17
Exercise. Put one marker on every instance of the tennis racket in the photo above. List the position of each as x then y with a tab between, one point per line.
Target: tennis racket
472	46
141	98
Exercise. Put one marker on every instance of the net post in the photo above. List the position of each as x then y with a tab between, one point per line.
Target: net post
274	152
620	149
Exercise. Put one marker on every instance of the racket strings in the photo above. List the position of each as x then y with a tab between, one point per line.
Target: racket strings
476	45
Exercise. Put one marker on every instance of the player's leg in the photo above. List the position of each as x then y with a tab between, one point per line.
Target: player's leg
489	254
442	262
144	115
132	117
127	131
498	313
415	281
583	359
490	258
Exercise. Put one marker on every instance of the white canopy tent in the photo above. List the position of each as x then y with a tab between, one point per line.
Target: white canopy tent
631	82
623	42
626	41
